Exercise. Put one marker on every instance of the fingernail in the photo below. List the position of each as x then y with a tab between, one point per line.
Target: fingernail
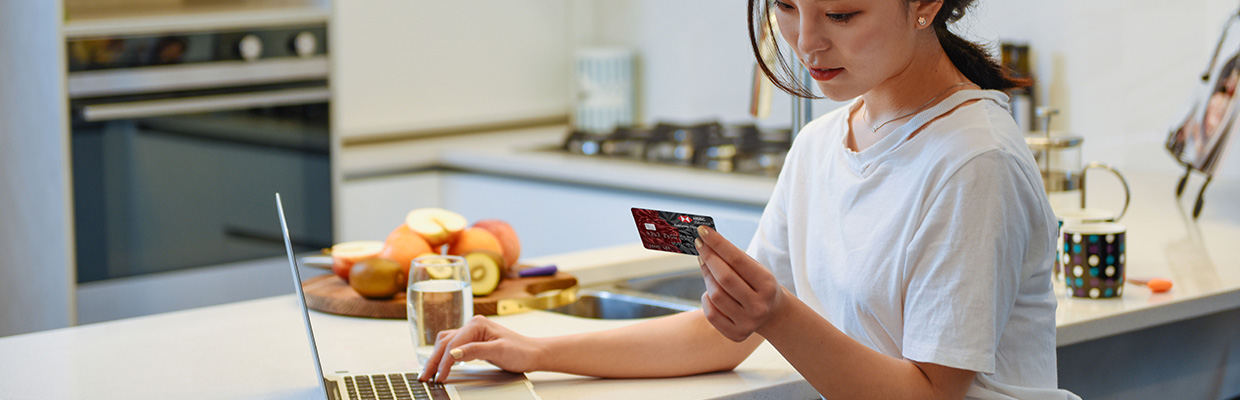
457	353
702	231
697	242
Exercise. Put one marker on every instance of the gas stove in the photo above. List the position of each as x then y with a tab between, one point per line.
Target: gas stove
743	149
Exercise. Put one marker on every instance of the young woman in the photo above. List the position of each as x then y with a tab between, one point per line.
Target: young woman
906	251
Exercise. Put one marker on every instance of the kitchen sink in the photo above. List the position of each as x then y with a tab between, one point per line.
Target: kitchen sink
611	305
681	285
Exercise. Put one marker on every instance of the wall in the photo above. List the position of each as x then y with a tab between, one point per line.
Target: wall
422	65
1121	72
36	274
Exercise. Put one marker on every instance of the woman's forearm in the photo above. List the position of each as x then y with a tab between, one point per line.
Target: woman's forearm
677	345
839	367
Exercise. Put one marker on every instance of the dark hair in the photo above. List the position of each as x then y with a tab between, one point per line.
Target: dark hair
970	58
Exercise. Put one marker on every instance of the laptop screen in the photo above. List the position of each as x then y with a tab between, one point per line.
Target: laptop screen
301	296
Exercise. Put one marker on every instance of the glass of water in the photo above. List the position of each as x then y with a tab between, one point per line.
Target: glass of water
439	298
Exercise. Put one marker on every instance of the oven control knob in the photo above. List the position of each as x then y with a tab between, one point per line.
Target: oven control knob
304	44
250	47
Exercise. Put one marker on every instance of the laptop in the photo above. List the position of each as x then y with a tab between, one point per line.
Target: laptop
476	384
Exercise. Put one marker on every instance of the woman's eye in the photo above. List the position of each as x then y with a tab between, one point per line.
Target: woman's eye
782	5
841	17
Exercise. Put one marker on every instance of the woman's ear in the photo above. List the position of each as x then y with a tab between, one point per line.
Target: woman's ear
924	11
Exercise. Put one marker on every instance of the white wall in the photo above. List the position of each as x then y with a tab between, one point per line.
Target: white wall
36	271
1120	71
425	65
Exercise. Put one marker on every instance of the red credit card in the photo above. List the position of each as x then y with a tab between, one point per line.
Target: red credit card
669	231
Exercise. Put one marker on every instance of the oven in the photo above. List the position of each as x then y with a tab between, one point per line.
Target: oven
180	140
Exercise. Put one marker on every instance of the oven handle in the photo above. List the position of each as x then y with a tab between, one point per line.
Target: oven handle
189	105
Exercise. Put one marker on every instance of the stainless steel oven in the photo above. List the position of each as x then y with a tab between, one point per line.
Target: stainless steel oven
180	139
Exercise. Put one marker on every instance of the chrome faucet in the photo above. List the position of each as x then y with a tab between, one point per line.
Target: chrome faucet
802	108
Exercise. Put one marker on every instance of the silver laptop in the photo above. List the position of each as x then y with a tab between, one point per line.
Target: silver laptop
480	384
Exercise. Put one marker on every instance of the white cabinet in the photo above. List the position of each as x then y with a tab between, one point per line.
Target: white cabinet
418	65
371	208
553	218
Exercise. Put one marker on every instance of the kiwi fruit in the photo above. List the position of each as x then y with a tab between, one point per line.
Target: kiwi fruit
485	272
376	278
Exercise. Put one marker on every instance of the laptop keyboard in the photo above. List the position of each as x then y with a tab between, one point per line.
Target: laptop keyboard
393	387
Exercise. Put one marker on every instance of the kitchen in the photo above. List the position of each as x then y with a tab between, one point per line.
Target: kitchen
479	136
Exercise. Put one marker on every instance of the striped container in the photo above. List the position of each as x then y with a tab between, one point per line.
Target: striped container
604	90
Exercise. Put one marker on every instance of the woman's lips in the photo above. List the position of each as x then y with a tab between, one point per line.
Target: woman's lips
823	75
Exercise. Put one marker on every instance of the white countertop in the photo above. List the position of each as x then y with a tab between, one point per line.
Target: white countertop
258	349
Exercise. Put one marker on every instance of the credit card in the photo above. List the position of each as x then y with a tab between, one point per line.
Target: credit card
669	231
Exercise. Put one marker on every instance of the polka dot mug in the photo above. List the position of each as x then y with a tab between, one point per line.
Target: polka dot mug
1093	259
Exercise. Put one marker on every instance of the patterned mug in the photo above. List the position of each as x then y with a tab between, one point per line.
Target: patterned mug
1093	259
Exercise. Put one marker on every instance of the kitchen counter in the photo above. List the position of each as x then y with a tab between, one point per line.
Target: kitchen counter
528	153
258	349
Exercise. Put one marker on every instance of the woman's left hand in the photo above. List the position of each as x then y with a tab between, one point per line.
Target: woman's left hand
741	294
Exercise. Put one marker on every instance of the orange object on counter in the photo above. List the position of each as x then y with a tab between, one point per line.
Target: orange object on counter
1156	285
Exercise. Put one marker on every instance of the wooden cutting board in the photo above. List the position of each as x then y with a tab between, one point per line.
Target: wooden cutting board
330	294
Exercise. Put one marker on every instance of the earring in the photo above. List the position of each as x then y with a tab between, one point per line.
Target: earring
921	21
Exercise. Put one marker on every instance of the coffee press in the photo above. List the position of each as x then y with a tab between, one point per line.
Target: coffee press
1059	159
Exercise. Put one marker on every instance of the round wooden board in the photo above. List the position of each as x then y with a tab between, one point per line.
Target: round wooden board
330	294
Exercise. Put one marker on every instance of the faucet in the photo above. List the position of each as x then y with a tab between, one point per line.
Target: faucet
802	108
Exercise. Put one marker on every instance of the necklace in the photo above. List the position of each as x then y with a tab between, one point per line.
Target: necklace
865	114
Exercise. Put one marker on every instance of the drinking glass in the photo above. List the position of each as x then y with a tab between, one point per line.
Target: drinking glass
439	298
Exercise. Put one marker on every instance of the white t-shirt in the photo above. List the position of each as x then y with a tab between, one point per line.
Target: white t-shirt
936	248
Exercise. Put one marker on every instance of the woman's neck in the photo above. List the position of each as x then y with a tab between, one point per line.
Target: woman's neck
930	74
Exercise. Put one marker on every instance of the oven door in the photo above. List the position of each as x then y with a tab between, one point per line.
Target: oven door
186	180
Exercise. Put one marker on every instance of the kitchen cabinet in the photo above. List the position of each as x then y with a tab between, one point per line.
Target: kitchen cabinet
371	207
553	217
401	66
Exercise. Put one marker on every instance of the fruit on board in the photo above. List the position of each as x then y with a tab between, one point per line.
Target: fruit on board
475	239
347	253
438	226
403	245
440	272
484	272
499	259
376	278
508	242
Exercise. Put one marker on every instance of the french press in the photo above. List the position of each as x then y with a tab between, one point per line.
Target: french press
1059	159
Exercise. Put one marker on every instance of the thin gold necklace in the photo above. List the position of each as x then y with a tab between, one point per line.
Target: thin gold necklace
865	114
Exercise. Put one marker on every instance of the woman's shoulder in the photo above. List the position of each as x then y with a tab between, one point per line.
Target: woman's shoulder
979	125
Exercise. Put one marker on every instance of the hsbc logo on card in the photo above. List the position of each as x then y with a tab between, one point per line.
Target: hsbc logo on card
686	219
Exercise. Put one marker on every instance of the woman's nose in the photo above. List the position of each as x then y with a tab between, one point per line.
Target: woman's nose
811	38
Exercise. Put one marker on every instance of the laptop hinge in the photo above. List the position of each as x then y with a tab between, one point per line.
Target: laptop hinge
333	390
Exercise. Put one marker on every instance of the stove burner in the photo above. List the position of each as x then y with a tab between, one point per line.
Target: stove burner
711	145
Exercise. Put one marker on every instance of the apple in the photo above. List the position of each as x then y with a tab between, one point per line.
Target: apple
376	278
403	245
347	253
474	239
507	236
438	226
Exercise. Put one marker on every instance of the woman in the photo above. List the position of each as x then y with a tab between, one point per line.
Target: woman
905	253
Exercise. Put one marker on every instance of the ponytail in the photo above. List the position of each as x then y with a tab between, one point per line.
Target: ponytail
971	58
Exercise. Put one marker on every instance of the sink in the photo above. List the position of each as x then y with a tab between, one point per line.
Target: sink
610	305
681	285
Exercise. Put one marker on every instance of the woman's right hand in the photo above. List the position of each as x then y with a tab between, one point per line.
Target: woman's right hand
481	339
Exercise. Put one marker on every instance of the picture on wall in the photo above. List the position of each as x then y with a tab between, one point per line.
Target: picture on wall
1199	141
